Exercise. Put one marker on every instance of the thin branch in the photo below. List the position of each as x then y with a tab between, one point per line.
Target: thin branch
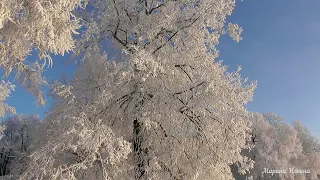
166	168
190	89
180	66
118	16
158	48
174	34
154	8
127	13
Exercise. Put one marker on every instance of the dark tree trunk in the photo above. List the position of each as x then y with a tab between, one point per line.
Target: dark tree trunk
22	140
140	154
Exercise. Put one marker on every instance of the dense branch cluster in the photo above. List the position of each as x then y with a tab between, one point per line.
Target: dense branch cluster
280	146
40	25
5	89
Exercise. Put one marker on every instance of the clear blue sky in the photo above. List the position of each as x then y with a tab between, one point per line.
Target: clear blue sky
280	49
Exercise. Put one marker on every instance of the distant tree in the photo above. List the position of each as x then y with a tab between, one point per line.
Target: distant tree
311	151
168	111
16	139
277	146
272	119
310	143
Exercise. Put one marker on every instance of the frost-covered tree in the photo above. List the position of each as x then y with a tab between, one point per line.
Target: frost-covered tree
311	151
168	111
17	138
19	129
182	131
309	142
277	146
5	89
44	26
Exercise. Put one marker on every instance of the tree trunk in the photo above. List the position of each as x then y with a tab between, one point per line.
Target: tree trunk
22	141
140	154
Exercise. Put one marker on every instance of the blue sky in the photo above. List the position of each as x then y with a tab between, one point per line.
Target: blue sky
24	102
280	49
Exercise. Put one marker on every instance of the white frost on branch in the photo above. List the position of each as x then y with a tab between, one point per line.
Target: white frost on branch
5	89
40	25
